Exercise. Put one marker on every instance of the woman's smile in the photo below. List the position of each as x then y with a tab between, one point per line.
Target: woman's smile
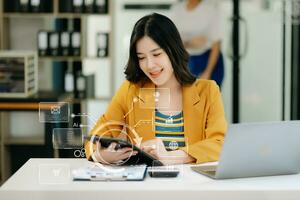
156	73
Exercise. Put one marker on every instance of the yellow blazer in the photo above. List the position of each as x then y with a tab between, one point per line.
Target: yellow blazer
134	106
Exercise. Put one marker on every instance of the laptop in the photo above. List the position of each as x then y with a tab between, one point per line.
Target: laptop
257	149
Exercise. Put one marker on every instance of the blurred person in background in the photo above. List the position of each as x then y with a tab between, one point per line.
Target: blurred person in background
198	22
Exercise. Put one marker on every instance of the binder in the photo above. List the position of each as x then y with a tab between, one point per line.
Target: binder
78	6
90	86
88	6
43	43
24	5
102	44
46	6
54	43
35	5
11	6
101	6
69	79
66	6
75	43
65	43
81	84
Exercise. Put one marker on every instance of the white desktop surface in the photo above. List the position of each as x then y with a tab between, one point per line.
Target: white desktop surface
28	184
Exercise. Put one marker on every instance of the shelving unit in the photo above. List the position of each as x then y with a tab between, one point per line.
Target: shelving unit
47	20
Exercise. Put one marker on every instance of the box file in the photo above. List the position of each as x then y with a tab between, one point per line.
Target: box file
35	5
65	43
66	6
78	6
75	43
54	43
88	6
24	5
101	6
43	43
102	44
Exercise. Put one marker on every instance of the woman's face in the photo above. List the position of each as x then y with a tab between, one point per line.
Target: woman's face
154	61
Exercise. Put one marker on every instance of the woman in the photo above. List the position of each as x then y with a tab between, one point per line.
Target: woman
193	118
198	22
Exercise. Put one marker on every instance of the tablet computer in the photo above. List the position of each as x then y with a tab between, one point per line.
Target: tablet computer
140	158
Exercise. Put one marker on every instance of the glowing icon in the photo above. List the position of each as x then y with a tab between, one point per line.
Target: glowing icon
169	120
173	145
79	153
55	110
156	95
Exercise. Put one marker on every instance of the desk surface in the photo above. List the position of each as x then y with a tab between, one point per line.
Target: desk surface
29	182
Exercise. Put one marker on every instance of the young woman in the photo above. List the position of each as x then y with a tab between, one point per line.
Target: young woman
176	118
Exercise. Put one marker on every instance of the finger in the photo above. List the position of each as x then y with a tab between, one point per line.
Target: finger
125	155
98	145
124	150
111	147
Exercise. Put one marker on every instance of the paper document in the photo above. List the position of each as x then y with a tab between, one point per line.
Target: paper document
108	173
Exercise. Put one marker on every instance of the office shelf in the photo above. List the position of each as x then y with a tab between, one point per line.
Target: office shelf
49	15
61	58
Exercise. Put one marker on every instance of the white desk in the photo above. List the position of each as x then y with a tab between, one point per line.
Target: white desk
28	183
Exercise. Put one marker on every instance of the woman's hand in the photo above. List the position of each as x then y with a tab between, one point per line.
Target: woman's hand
110	155
157	149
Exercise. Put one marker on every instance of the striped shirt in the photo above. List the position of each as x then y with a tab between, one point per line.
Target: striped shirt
170	130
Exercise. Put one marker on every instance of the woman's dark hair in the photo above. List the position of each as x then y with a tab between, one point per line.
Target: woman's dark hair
164	32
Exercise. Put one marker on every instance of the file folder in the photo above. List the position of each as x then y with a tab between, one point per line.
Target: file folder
54	43
75	43
66	6
78	6
65	43
102	44
43	43
35	5
88	6
101	6
24	5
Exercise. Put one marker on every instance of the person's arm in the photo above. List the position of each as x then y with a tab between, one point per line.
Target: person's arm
212	61
196	42
215	37
209	149
109	124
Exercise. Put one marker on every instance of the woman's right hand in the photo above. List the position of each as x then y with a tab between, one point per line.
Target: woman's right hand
111	156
